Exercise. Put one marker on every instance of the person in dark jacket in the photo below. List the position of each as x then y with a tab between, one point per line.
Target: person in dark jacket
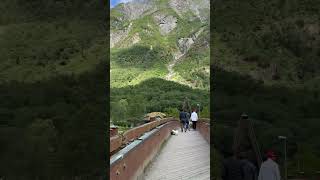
188	121
231	167
249	170
183	117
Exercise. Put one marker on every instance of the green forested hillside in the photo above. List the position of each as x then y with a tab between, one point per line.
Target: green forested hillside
153	95
55	128
266	59
46	39
53	94
274	41
159	56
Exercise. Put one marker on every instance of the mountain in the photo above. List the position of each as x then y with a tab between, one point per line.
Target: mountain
266	64
160	38
163	41
276	42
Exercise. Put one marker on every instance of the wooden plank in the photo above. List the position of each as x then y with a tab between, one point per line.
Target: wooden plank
184	156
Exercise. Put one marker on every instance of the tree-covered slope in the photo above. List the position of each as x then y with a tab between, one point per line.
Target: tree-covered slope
266	59
53	93
40	40
274	41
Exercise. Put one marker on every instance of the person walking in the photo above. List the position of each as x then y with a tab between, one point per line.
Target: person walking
183	120
231	167
188	121
269	169
248	168
194	119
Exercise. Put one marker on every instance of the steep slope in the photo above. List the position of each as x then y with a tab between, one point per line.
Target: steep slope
163	31
266	63
275	41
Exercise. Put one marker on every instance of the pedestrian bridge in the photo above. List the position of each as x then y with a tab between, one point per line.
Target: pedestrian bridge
150	152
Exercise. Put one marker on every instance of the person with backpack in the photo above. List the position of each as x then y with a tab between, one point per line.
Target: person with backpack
249	170
188	121
183	119
231	167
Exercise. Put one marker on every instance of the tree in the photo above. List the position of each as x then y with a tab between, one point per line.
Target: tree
186	105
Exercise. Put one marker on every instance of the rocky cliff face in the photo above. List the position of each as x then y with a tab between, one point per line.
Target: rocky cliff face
135	9
117	36
185	44
170	25
166	23
198	7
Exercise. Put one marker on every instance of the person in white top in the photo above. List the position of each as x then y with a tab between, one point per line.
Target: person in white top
194	119
269	169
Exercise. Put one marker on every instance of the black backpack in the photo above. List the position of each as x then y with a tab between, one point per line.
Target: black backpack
183	116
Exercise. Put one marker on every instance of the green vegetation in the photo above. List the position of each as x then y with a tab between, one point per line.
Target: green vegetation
266	57
52	84
275	41
54	128
195	66
132	65
138	68
38	49
129	104
275	111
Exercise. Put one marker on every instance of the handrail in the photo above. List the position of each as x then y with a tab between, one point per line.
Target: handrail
207	120
204	128
130	161
134	133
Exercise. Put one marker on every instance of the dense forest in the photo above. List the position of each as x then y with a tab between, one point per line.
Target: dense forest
53	100
129	103
265	62
54	132
44	39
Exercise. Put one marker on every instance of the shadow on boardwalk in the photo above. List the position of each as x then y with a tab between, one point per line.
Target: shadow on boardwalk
184	156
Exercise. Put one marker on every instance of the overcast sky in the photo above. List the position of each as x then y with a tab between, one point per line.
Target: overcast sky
115	2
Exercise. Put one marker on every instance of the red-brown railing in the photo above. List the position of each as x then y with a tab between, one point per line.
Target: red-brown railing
118	140
141	144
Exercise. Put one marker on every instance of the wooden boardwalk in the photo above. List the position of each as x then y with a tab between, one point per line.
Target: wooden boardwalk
185	156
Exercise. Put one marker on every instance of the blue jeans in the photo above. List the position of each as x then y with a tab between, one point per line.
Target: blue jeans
186	125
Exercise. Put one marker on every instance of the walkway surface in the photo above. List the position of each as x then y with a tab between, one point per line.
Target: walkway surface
185	156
